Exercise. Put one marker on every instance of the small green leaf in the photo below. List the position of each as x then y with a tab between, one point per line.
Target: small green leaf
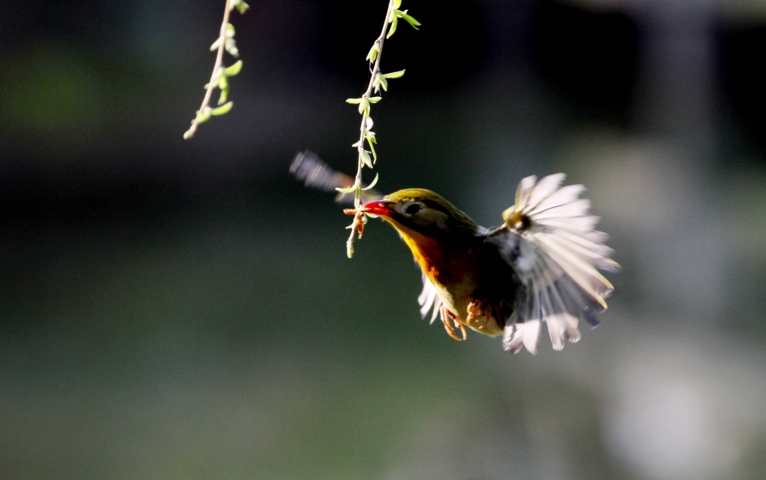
214	79
364	106
346	190
393	22
398	74
374	51
239	5
397	3
411	20
356	145
203	115
233	69
224	95
365	158
222	82
354	100
370	142
371	215
223	109
374	182
229	33
215	44
350	248
374	99
231	46
383	82
368	123
188	134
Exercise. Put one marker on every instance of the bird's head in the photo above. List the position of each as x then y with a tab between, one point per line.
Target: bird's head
422	215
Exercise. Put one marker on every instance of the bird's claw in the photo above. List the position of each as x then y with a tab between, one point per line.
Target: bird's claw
446	317
479	308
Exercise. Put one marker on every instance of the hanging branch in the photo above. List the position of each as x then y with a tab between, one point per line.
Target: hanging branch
219	78
377	82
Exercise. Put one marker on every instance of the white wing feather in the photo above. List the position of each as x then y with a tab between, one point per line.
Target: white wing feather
550	241
429	300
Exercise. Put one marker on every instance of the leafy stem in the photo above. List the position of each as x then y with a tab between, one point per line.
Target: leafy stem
377	82
219	77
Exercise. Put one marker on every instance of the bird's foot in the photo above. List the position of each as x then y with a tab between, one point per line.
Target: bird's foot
479	308
446	317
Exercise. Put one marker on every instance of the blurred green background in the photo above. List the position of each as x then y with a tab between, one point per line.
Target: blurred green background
176	309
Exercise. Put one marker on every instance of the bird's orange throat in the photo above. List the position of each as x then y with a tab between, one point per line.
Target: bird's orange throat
429	253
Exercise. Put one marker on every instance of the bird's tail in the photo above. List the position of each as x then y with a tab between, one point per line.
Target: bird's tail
315	173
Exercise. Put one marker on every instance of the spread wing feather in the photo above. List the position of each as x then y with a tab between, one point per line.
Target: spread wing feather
550	241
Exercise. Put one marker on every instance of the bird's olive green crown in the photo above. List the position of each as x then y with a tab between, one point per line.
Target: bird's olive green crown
430	214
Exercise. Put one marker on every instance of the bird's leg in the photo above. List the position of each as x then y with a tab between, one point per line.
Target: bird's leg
446	316
479	307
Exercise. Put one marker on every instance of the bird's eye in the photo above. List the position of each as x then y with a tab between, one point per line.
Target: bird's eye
412	209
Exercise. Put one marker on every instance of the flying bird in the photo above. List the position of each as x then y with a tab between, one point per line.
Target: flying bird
540	266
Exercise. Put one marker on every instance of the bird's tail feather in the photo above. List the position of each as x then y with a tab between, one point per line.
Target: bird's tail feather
315	173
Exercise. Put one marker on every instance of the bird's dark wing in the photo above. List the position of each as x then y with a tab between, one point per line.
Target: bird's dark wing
314	172
549	240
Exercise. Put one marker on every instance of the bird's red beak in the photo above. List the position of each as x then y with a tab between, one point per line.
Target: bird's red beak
378	207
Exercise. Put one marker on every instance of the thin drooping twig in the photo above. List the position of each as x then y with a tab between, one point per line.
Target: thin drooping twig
218	79
357	226
218	63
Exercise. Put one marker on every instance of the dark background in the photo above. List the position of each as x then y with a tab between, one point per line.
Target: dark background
184	309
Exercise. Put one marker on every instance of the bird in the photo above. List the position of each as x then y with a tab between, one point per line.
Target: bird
540	266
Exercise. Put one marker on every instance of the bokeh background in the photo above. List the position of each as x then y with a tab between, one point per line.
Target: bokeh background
176	309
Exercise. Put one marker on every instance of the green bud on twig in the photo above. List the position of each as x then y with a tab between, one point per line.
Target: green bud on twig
223	109
234	69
